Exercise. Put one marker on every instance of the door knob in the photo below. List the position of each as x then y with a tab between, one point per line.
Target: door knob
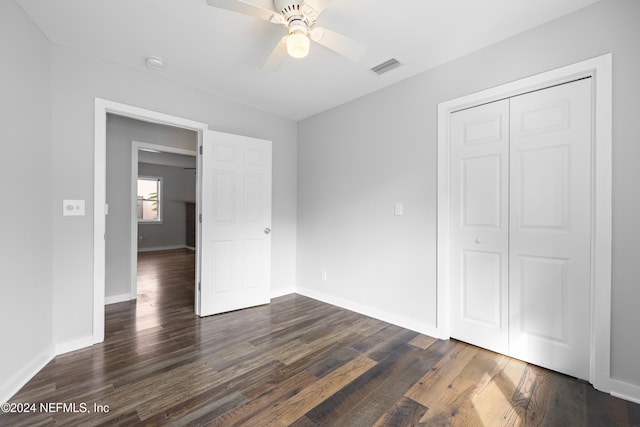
267	230
479	240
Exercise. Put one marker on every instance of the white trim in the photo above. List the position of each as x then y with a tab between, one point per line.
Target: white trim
394	319
282	292
162	148
12	385
163	248
603	225
114	299
99	220
626	391
135	148
102	108
600	70
74	345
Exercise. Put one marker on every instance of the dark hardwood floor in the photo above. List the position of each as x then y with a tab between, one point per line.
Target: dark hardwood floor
294	362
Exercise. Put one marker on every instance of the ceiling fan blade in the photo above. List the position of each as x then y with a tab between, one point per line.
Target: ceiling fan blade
278	54
318	5
250	9
338	43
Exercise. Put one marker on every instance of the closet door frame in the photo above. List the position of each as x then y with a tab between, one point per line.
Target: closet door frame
600	71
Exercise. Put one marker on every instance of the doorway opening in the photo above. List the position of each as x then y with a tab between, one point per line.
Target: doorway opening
166	219
104	109
151	209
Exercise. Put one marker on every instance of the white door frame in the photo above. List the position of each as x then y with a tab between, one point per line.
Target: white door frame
600	70
135	147
101	109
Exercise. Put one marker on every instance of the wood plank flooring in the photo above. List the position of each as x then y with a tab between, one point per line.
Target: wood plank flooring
295	362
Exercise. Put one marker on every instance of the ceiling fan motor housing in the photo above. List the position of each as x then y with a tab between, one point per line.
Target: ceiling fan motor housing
299	17
282	6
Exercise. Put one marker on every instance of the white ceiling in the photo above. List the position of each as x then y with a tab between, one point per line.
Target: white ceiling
221	52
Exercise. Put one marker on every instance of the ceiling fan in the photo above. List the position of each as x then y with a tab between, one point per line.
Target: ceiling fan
299	17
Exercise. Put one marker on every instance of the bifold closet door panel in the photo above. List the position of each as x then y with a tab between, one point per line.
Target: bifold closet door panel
479	225
550	225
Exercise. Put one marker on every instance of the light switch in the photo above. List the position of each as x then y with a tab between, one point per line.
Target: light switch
73	208
398	209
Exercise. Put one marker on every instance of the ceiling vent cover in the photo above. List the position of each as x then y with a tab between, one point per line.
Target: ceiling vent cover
386	66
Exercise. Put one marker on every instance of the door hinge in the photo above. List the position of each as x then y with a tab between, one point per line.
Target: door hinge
199	286
200	218
201	149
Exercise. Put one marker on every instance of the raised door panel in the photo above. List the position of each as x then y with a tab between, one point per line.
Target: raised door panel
544	296
254	268
254	197
222	266
224	196
544	188
481	191
482	283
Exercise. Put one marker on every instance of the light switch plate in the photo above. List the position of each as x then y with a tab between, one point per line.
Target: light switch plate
73	208
398	208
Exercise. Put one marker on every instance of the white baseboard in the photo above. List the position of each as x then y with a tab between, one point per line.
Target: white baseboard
282	292
68	346
11	386
162	248
626	391
117	298
395	319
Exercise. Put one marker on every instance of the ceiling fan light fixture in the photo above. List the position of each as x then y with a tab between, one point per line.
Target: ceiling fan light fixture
298	45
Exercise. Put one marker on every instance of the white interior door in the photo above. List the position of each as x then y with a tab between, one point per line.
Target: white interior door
480	225
521	226
550	227
235	239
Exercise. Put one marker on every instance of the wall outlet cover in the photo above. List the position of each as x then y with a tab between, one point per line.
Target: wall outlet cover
73	207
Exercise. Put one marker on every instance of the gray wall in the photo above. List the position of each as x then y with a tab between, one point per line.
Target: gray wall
79	78
26	195
178	186
121	131
356	160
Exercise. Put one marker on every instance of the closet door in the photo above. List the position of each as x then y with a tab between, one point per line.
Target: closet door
550	227
479	225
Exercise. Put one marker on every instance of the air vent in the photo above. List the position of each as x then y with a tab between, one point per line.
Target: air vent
386	66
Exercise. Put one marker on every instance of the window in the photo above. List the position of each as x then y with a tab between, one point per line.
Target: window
149	199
